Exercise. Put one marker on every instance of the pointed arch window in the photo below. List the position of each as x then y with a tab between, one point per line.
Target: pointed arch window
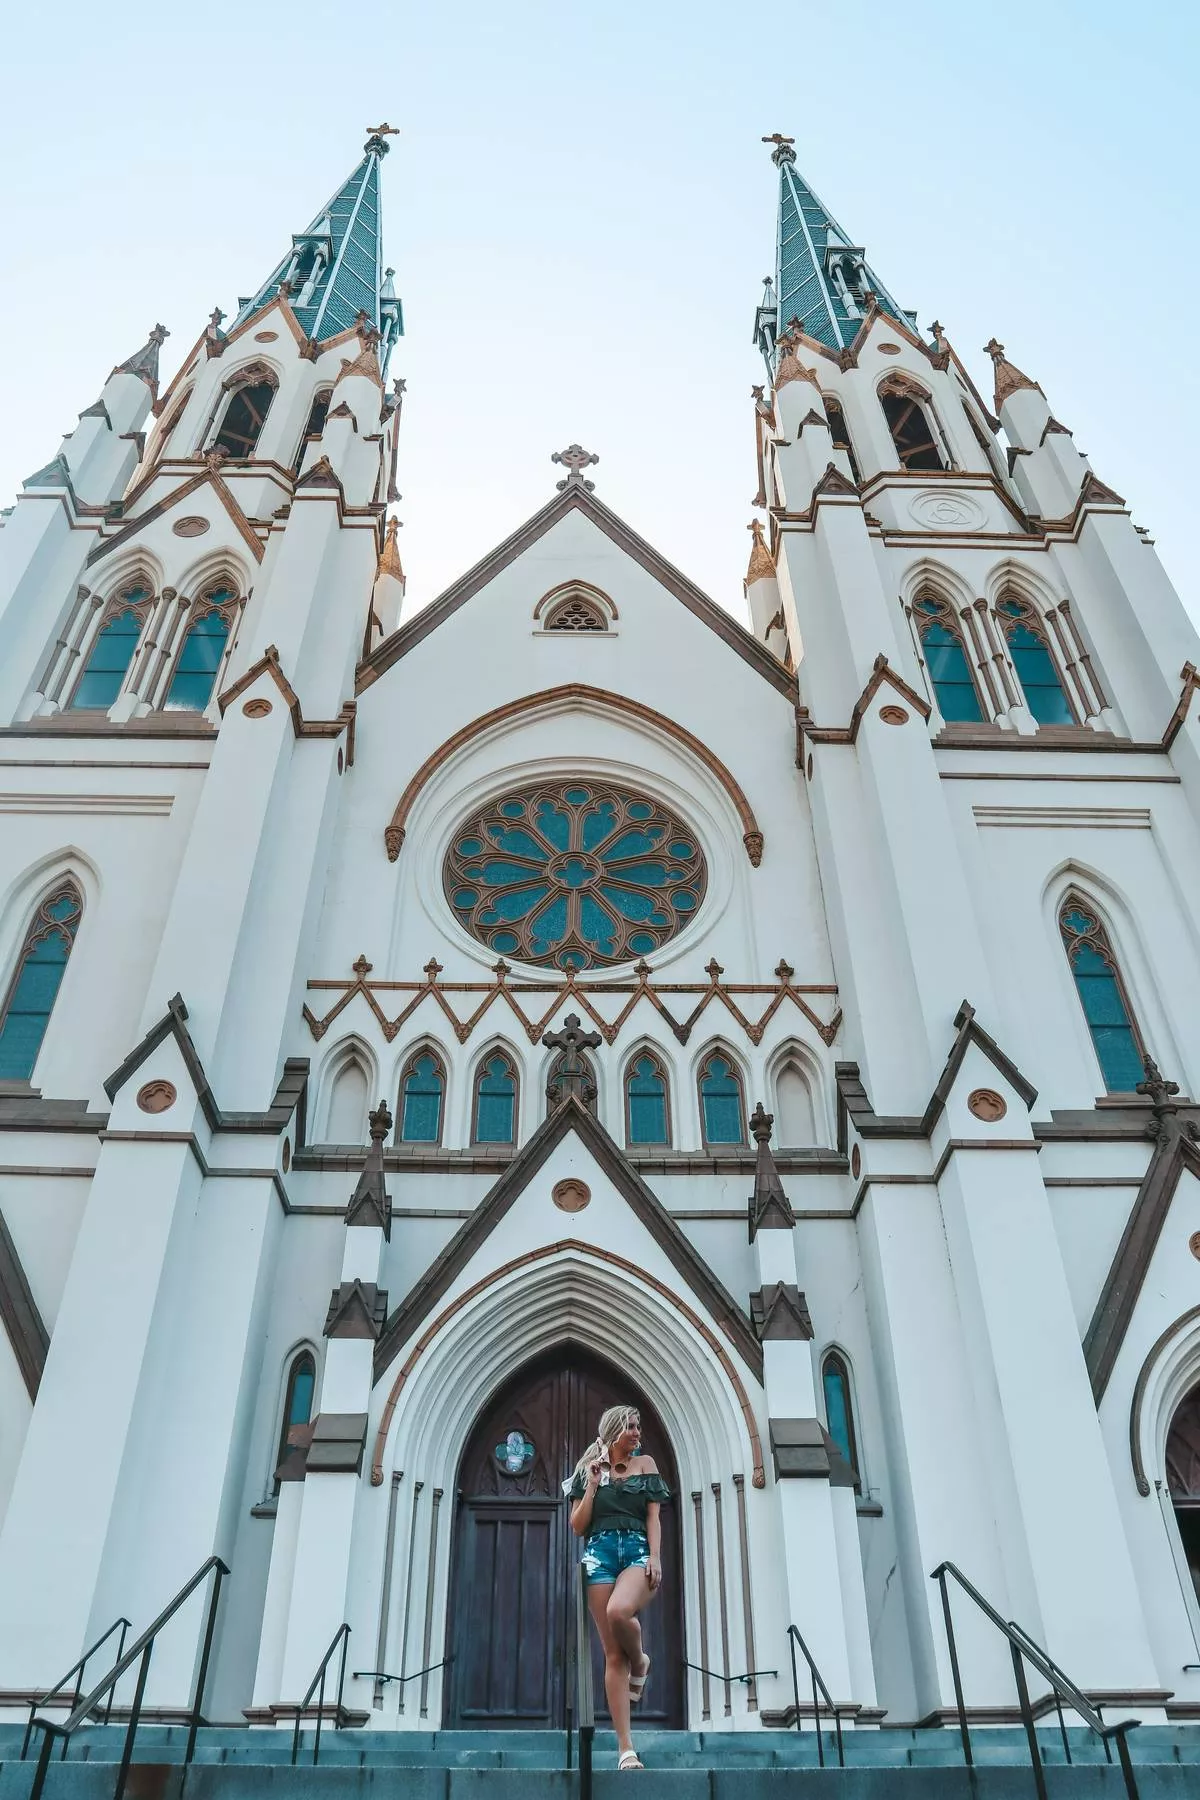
839	1409
346	1122
839	431
1034	662
906	407
112	651
647	1101
199	659
722	1101
1183	1478
796	1123
422	1099
588	1089
946	659
297	1406
318	412
244	417
494	1113
1110	1020
575	613
38	977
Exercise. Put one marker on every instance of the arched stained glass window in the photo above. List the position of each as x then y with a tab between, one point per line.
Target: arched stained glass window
646	1108
34	987
245	416
1102	995
422	1091
297	1404
1040	681
495	1109
576	613
112	652
577	874
722	1105
839	1410
198	661
946	659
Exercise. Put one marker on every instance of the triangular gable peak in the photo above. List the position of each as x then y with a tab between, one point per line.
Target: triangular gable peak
570	1117
576	498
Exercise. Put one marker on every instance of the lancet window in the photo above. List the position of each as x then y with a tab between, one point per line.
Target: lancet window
33	990
839	431
297	1403
946	659
1102	995
200	655
588	1088
422	1099
722	1101
112	650
906	409
1037	672
318	412
245	414
647	1102
1183	1478
494	1113
839	1409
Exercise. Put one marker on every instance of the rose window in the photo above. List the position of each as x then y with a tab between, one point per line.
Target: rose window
576	874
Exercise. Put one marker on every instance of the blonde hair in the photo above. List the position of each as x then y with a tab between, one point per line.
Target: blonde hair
612	1423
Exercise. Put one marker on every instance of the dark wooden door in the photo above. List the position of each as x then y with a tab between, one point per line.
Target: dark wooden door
515	1557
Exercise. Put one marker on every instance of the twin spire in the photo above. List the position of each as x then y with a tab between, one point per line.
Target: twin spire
334	271
822	280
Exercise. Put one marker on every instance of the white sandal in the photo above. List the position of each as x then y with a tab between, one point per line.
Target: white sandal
630	1759
637	1683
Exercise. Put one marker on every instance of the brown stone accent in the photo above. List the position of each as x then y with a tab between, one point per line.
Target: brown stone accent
338	1442
987	1104
571	1195
268	664
357	1309
803	1450
157	1096
780	1312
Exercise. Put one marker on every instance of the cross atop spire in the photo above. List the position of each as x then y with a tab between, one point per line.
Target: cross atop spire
822	278
333	275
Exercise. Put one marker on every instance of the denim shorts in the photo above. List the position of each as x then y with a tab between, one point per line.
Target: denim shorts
606	1553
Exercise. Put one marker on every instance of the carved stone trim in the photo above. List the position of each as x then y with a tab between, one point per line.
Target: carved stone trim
357	1309
268	663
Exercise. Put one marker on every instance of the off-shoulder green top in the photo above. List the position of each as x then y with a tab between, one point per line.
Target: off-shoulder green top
621	1506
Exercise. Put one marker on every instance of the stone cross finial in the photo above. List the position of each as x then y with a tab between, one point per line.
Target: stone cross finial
377	136
215	319
1161	1095
783	152
159	335
380	1122
761	1123
570	1040
575	459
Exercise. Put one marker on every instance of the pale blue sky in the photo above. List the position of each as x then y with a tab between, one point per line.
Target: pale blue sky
580	213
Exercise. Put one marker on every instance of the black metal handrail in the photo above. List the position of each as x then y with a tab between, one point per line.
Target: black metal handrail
1025	1649
818	1681
581	1702
721	1675
75	1673
341	1636
142	1647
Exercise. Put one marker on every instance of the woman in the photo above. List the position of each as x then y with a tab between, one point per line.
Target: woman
617	1494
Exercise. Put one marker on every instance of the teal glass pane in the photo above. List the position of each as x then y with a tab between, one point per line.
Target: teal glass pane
597	925
196	671
35	987
495	1103
421	1121
837	1409
554	825
1039	678
111	656
597	824
1112	1030
632	843
629	904
550	926
957	698
721	1100
515	904
516	843
647	1103
303	1383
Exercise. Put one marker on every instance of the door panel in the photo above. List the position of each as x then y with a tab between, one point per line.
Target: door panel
515	1557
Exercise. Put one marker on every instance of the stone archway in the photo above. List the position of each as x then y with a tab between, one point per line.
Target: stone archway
514	1559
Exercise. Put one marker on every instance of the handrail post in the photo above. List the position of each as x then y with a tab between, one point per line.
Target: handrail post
135	1713
125	1625
817	1721
795	1679
1131	1786
963	1727
1035	1753
43	1763
202	1671
320	1714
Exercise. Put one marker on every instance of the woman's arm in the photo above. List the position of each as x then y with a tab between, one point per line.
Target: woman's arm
648	1466
581	1512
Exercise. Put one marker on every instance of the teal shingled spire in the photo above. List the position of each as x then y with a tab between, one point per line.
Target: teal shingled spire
821	277
334	270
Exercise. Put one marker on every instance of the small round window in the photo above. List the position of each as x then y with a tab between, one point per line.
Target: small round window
575	874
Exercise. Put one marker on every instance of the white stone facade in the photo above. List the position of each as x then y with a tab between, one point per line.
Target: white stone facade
995	1244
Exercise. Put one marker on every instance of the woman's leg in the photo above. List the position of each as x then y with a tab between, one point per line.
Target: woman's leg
616	1663
630	1593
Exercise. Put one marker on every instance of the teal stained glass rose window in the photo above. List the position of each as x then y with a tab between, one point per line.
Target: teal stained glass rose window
577	874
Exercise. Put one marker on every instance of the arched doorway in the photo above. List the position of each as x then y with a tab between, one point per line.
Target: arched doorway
514	1556
1183	1478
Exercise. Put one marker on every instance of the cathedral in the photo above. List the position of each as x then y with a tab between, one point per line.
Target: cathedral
421	1029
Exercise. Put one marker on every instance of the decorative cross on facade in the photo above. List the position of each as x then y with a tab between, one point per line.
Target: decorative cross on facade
574	460
216	319
570	1078
433	969
362	968
377	136
159	335
995	349
384	130
783	152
